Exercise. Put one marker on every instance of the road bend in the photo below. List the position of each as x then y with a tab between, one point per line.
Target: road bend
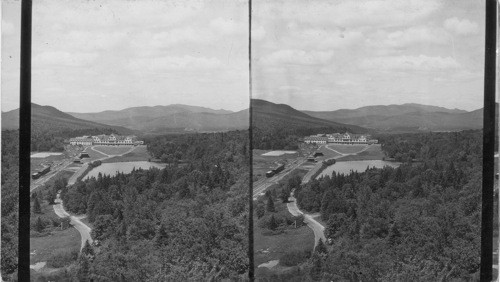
75	221
317	228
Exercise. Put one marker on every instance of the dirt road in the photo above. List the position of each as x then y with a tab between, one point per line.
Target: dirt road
75	221
317	228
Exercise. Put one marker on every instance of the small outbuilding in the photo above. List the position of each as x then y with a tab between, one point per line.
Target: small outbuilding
318	154
84	155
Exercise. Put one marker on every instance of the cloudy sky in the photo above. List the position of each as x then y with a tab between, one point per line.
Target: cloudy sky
326	55
91	56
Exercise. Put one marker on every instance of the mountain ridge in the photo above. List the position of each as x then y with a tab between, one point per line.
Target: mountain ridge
406	117
50	118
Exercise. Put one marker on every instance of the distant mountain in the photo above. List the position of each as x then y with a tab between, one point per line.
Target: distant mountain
406	117
48	118
267	115
160	119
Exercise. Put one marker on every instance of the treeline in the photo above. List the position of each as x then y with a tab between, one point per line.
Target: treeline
285	138
53	140
419	221
185	222
10	200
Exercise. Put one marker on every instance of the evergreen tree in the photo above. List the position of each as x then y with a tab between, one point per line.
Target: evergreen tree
260	210
39	226
270	204
88	251
51	196
162	235
272	223
320	248
83	272
36	206
315	271
284	194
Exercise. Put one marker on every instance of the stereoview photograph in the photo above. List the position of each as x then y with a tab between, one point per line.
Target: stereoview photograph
367	140
139	146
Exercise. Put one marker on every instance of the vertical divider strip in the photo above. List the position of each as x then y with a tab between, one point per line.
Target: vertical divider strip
488	142
24	143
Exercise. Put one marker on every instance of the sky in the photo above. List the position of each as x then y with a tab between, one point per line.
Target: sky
328	55
91	56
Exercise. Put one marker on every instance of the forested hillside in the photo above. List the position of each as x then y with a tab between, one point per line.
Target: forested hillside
279	126
10	200
185	222
418	222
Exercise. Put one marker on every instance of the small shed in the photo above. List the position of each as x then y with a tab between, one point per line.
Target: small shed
84	155
318	154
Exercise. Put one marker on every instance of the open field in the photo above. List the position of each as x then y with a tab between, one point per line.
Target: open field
278	153
328	154
45	154
42	248
347	149
272	247
94	155
36	163
140	153
60	241
374	152
262	164
113	150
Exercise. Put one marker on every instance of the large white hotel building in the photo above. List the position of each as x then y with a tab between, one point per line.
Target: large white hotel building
346	138
103	139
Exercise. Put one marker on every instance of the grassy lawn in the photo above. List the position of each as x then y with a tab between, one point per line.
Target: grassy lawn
113	150
140	153
328	153
374	152
59	240
347	149
273	247
94	155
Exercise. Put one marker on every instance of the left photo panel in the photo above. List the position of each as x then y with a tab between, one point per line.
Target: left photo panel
139	140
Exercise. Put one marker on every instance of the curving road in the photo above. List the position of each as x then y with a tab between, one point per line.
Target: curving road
75	221
317	228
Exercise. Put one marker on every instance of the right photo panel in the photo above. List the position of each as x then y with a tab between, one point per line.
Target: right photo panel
367	137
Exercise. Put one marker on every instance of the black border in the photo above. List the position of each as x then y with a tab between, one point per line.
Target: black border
251	265
488	141
23	273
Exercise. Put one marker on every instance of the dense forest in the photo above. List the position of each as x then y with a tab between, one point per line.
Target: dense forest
418	222
53	140
187	221
10	201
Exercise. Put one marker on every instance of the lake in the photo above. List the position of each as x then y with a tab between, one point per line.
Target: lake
125	167
359	166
